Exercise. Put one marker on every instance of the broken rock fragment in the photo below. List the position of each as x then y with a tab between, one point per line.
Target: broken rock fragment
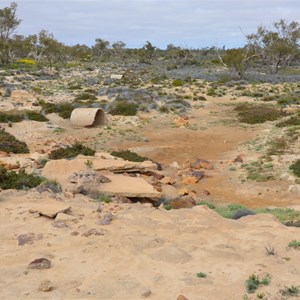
40	264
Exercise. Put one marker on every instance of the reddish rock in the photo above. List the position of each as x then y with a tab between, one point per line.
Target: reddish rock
182	203
181	297
239	159
189	180
203	164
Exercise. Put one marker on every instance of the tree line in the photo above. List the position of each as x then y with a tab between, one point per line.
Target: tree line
272	49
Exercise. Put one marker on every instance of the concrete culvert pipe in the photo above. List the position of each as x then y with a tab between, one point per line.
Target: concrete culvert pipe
88	117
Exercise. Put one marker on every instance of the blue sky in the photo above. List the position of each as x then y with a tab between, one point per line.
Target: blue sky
186	23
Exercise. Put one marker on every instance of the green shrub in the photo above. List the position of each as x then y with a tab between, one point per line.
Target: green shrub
9	143
18	116
295	167
36	116
177	82
288	99
229	210
124	108
129	155
164	109
85	96
290	291
64	110
10	116
207	203
18	180
254	113
293	121
294	244
253	282
71	151
277	146
201	275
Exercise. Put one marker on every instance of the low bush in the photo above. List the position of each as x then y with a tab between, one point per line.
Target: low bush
64	110
10	144
293	121
71	151
85	96
253	282
254	113
290	291
177	82
10	116
36	116
295	168
124	108
277	146
18	180
294	244
201	275
129	155
287	216
18	116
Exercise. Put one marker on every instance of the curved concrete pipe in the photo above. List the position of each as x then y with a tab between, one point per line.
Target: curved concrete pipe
88	117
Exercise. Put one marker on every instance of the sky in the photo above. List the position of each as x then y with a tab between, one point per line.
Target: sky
184	23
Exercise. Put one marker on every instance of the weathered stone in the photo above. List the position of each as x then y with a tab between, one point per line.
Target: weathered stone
46	286
183	192
182	297
168	180
242	213
203	164
182	203
120	199
49	208
29	238
93	231
106	219
145	293
239	159
40	264
59	224
189	180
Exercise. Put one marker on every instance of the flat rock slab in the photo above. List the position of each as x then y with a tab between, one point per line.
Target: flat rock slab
59	170
132	187
49	208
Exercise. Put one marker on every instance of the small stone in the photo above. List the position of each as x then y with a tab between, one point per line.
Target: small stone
239	159
203	164
181	297
146	293
29	238
242	213
120	199
92	231
183	192
46	286
75	233
40	264
189	180
63	217
175	165
59	224
168	180
106	219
